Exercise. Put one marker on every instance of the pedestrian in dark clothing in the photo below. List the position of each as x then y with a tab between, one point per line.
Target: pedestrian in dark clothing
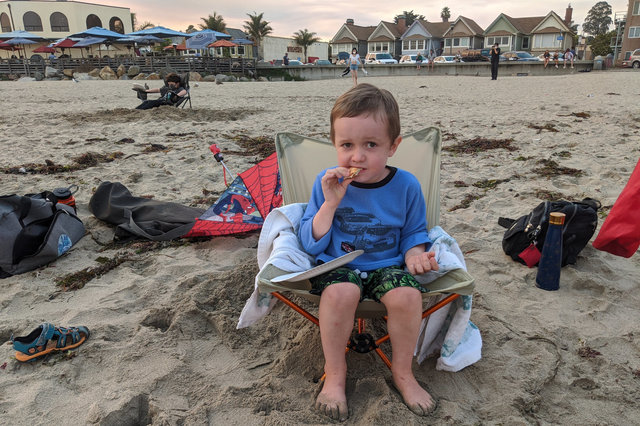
495	60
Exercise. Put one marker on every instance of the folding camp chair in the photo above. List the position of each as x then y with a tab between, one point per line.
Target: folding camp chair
184	82
300	159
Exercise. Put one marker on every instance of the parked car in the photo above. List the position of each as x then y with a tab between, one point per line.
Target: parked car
379	58
516	55
409	59
633	61
322	62
473	55
294	63
447	59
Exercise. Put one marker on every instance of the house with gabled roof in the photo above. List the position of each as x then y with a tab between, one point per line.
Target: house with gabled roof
351	36
386	38
533	34
463	34
422	36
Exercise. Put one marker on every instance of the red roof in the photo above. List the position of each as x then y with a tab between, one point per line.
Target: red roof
67	42
222	43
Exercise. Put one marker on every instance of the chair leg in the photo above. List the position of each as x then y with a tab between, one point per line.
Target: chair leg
295	307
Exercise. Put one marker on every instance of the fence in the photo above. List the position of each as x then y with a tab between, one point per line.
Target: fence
147	64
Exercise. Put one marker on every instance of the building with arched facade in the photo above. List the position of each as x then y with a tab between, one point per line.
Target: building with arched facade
58	19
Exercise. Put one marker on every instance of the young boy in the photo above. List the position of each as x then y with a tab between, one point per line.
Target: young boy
169	94
365	204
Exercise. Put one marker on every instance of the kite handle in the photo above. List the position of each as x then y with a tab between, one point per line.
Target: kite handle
217	154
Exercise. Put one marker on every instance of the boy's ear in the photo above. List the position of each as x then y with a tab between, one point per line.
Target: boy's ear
395	145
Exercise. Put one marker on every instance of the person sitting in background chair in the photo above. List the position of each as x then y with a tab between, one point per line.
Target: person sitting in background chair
172	93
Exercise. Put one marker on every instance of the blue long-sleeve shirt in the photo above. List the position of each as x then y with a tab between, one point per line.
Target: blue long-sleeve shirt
385	219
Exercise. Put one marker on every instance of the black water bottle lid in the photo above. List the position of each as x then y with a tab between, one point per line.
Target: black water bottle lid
62	193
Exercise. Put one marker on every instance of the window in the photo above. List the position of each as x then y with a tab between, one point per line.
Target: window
93	21
503	41
116	25
241	50
457	42
544	41
32	21
525	42
413	44
379	46
636	8
59	22
634	32
5	23
336	48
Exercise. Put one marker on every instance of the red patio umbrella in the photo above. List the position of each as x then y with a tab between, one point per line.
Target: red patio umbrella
67	42
222	43
44	49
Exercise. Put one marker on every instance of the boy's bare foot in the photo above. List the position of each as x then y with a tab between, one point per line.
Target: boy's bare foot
414	396
332	406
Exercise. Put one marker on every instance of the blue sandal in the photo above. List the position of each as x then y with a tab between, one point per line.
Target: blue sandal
48	338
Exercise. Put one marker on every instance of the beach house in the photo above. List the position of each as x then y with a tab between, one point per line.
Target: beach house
350	36
630	29
422	36
532	34
463	33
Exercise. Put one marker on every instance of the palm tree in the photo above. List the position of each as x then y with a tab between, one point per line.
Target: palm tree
305	39
145	25
409	17
257	28
445	14
213	22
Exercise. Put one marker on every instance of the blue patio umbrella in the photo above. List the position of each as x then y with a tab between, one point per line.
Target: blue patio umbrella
159	32
20	34
202	39
98	32
89	41
143	39
241	41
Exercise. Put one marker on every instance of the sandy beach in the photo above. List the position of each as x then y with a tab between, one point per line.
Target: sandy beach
164	349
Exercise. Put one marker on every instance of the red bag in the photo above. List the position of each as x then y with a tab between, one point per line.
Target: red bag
620	232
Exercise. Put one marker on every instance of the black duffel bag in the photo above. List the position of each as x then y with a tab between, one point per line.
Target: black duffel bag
524	238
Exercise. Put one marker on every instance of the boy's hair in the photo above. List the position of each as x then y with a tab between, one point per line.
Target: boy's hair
172	77
366	99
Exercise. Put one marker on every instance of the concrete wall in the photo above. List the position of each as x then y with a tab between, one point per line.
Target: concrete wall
479	69
272	48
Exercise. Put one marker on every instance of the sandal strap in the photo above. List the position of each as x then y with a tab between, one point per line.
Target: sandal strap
65	334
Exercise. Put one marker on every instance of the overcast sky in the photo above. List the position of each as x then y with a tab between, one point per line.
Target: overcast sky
324	17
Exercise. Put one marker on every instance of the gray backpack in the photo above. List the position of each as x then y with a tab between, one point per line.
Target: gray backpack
34	231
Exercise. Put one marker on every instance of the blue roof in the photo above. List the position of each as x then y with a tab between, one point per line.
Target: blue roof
98	32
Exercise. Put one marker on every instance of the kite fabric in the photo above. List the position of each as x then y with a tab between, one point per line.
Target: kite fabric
245	204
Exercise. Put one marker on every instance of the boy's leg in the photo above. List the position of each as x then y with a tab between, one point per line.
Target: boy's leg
404	308
337	310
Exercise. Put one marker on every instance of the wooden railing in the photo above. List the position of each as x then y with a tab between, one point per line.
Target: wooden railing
147	64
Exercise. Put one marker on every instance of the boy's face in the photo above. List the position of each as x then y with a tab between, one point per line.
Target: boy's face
364	142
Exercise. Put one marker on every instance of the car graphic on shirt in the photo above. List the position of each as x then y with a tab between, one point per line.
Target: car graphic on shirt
369	233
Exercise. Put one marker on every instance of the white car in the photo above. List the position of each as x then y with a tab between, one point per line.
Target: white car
379	58
447	59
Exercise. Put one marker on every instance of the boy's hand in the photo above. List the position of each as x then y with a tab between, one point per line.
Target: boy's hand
420	263
334	185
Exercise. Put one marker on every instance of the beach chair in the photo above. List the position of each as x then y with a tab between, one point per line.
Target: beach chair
182	102
300	159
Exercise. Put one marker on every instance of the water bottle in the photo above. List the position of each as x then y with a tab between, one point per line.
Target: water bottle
65	195
548	277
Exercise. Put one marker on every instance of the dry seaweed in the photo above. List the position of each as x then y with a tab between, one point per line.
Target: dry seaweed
180	135
77	280
550	168
581	114
156	147
125	140
81	162
546	195
466	201
550	127
587	352
562	154
260	146
479	144
489	183
459	184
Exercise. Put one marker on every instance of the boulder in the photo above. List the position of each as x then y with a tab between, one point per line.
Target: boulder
124	77
244	79
164	71
153	76
121	70
26	79
94	73
195	76
140	76
209	78
221	78
51	72
38	76
133	71
107	73
261	78
84	76
68	72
